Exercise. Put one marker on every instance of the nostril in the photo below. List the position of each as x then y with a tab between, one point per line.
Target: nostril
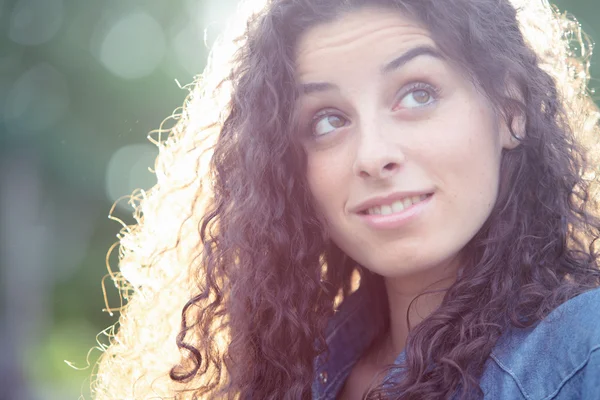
375	168
390	166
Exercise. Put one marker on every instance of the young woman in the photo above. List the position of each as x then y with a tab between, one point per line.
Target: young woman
381	199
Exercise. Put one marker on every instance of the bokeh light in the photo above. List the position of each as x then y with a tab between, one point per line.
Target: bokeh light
39	99
189	38
34	22
133	46
127	170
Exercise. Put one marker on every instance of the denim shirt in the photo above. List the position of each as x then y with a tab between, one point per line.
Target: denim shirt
557	359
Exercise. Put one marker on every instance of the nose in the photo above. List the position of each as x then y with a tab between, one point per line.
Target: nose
377	157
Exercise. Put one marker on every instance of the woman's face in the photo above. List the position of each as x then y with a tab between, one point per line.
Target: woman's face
403	151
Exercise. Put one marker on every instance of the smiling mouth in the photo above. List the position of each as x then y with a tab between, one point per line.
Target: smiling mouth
395	206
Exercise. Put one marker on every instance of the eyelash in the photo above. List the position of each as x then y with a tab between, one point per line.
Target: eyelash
433	91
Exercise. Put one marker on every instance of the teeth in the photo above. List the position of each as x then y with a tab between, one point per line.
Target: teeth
396	206
386	210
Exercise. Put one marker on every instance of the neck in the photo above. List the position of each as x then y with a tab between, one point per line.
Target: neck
415	297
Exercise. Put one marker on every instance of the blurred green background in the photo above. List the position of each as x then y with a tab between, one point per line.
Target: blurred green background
82	83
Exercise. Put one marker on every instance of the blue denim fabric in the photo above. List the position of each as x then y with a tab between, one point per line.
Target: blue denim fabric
558	359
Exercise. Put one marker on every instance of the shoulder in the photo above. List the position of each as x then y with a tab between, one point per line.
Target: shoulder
557	359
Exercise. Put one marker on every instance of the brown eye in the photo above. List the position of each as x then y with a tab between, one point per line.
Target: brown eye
421	96
328	123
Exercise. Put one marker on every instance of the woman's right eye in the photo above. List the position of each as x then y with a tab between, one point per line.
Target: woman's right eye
328	123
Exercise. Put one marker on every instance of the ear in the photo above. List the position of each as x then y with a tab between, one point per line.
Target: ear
513	132
513	125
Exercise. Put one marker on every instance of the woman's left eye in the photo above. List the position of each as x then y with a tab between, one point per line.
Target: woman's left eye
417	97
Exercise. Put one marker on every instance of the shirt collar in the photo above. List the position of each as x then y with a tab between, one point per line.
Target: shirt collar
360	319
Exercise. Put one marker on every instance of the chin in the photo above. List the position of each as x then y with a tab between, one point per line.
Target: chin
396	267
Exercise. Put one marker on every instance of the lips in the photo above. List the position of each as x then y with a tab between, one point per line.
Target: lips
397	211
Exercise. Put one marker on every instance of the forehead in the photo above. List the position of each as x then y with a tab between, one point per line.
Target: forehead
378	32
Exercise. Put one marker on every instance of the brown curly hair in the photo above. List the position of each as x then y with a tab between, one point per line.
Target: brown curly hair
229	262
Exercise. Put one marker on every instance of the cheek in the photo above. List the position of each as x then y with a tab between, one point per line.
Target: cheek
466	160
473	143
326	177
477	173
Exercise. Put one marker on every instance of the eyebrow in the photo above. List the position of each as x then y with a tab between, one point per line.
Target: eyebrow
409	56
308	88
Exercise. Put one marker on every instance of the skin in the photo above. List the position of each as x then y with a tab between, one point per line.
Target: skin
423	126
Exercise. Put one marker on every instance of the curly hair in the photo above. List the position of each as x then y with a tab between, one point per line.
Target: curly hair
229	275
